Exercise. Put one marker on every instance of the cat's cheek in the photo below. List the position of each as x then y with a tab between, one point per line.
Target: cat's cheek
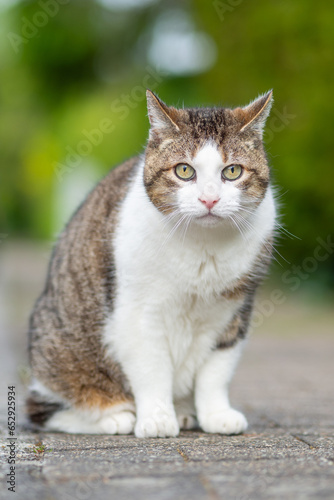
187	200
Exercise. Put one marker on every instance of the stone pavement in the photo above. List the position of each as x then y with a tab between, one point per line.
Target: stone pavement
284	385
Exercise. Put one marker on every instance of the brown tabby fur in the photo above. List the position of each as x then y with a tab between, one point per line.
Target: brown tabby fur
66	352
197	126
65	347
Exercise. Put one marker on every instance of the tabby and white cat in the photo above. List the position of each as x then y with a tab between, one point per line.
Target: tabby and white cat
151	284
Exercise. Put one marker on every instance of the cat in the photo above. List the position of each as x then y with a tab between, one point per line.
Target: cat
151	285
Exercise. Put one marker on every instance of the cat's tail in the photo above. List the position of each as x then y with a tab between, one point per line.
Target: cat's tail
39	410
45	411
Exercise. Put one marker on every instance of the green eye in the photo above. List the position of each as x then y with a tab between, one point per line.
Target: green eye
232	172
184	172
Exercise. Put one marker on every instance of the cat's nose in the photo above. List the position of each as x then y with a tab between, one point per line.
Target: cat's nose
209	202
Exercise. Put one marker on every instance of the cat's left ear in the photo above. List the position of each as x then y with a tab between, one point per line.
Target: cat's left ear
255	114
160	115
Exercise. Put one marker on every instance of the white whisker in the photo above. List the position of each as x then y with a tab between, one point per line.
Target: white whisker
186	226
172	231
231	217
247	224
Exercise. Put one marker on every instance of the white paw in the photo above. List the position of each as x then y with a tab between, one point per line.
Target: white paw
119	423
187	421
160	424
226	422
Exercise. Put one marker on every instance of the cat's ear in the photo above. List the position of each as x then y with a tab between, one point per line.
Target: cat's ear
255	114
160	115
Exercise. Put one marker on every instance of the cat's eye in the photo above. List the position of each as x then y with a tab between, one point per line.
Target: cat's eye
232	172
185	172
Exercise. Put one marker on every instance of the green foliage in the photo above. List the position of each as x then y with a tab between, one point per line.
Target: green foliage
70	77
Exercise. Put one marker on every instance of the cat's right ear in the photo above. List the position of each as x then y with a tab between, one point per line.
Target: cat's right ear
161	116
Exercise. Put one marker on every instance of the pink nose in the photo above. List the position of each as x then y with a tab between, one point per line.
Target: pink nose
208	202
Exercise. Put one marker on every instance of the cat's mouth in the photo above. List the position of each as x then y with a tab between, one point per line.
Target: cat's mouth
209	216
208	219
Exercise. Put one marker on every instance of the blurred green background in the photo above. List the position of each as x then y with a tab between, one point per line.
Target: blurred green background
72	99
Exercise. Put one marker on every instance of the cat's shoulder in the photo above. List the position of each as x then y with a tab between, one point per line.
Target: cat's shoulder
120	174
116	183
103	200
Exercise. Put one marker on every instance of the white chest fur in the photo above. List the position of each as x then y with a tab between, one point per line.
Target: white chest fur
170	284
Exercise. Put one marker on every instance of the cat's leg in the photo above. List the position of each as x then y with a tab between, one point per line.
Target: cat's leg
114	420
211	393
150	376
143	352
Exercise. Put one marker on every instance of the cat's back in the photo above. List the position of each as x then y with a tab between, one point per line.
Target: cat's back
80	283
99	209
65	349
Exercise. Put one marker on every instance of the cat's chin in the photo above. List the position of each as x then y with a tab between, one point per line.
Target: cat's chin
208	220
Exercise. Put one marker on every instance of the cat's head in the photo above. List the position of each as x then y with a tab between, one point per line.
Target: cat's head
206	164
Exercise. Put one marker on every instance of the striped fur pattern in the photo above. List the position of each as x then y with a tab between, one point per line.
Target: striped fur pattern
151	285
185	134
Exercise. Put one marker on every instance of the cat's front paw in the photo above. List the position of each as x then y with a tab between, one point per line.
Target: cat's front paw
118	423
159	425
228	421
